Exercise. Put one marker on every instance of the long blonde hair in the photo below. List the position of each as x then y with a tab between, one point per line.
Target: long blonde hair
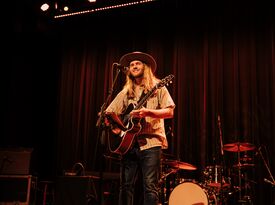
149	81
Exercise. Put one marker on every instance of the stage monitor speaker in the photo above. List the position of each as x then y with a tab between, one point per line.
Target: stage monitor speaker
15	161
17	189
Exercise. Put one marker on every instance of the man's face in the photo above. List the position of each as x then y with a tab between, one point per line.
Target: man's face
136	68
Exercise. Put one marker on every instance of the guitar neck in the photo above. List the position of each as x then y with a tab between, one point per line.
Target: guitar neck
150	93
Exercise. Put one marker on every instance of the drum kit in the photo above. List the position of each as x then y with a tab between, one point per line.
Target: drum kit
217	185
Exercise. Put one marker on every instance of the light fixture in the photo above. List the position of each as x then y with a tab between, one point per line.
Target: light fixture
104	8
66	8
45	7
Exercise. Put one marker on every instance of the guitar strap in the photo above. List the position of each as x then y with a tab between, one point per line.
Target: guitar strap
135	142
141	97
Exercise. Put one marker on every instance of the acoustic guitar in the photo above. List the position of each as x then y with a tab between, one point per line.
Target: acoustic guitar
129	126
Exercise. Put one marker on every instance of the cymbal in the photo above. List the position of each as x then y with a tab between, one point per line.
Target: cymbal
179	165
238	147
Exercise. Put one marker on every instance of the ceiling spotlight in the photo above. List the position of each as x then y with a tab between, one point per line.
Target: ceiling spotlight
45	7
92	1
66	8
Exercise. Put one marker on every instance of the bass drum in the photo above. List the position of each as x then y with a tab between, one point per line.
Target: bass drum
189	193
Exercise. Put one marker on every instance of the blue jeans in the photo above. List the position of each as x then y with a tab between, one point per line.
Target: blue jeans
146	161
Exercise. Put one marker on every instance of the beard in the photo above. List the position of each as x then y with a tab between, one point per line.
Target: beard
138	75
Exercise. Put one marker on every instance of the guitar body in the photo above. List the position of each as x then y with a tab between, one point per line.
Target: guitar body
121	144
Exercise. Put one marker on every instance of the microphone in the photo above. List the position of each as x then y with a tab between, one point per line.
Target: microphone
120	67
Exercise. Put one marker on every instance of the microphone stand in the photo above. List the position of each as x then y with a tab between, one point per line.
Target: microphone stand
272	181
102	132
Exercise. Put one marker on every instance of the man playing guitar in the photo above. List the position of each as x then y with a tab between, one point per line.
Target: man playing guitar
142	105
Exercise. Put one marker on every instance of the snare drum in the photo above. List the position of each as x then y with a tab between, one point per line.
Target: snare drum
191	193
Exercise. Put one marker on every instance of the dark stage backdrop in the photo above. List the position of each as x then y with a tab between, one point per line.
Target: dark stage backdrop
223	59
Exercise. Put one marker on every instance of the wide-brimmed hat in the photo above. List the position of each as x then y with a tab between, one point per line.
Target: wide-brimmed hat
126	59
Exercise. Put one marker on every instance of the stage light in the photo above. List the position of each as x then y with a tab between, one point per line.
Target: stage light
104	8
66	8
45	7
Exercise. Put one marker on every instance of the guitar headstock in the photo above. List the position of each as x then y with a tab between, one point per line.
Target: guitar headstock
166	81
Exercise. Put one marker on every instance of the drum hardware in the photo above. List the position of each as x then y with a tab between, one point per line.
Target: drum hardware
244	178
182	180
246	158
166	183
216	182
170	177
223	185
242	163
214	177
234	147
165	175
245	200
